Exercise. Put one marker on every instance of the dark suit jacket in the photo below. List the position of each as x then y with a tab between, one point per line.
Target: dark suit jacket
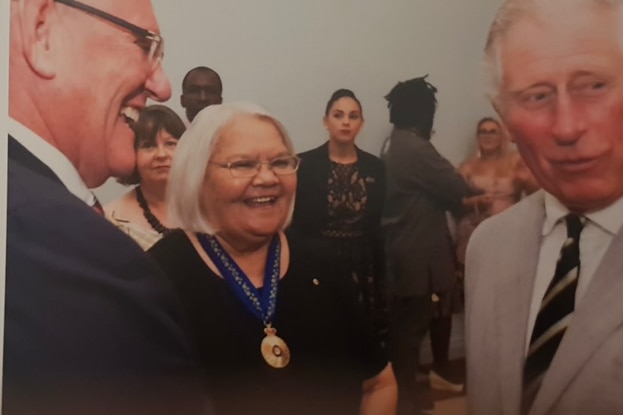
311	214
91	325
421	186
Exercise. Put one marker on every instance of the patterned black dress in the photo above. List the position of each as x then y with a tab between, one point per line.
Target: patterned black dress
347	201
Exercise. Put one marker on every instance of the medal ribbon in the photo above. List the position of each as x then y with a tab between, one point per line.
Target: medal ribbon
262	306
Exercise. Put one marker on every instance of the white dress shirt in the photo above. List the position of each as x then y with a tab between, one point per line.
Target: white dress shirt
598	232
54	159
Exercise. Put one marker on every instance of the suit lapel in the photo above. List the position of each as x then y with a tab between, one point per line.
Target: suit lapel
19	154
599	313
513	293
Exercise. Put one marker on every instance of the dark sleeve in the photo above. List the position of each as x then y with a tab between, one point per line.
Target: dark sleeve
310	198
168	251
300	202
179	261
377	233
92	326
382	308
421	167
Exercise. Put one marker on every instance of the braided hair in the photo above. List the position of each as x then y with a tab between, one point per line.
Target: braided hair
412	104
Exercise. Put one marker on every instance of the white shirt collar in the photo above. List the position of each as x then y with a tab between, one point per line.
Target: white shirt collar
609	218
53	158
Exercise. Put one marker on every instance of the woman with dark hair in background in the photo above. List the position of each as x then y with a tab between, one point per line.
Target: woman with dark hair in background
142	212
421	186
339	199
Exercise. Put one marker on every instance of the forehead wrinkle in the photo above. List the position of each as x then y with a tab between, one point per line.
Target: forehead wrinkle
582	54
220	143
514	11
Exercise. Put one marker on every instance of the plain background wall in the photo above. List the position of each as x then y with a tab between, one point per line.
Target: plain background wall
290	55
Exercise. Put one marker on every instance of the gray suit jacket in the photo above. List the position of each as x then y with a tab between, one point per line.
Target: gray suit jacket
586	375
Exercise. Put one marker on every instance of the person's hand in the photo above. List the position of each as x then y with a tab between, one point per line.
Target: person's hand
484	200
524	178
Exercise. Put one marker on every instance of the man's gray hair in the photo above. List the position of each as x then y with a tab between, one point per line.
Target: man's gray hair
510	13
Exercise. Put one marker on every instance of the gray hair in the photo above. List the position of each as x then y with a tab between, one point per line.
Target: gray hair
195	148
510	13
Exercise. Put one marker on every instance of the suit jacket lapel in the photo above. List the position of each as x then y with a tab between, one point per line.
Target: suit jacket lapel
322	160
513	294
598	314
19	154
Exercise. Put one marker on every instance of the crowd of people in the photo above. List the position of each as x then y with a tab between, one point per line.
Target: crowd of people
381	221
238	276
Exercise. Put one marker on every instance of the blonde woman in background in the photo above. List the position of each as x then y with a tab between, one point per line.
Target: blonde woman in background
499	173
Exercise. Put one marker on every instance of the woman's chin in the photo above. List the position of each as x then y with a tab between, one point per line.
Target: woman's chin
156	180
263	230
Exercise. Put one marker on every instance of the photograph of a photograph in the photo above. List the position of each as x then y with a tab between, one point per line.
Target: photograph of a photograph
281	207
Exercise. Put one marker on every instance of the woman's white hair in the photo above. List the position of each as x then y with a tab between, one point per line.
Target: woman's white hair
186	178
510	13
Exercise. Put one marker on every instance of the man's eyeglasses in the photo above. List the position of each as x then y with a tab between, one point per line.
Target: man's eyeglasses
152	43
281	166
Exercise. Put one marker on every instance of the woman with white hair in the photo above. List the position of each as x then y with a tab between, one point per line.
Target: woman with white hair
275	320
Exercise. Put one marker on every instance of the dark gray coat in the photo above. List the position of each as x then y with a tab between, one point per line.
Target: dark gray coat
421	186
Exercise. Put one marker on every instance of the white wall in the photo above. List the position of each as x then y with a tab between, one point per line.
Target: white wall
290	55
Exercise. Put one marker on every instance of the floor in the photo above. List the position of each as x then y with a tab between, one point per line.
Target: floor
450	403
453	406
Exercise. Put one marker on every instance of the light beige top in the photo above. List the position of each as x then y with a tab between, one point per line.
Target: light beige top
145	237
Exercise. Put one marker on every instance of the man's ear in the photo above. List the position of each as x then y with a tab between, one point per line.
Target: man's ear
182	101
220	100
36	22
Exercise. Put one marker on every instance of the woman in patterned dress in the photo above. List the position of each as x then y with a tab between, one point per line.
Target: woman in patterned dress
339	199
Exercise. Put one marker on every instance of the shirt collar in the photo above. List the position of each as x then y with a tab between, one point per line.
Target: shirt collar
609	218
53	158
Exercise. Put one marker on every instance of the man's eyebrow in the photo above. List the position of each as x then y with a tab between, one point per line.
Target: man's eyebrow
585	73
520	90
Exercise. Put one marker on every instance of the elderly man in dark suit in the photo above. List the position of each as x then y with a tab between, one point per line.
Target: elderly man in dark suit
545	278
91	324
421	186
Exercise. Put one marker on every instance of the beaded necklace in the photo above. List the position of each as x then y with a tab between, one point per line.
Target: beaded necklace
149	216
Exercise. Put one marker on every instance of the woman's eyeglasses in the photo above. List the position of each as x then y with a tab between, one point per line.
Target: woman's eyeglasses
281	166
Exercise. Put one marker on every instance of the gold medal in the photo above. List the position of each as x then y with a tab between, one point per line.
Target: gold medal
274	350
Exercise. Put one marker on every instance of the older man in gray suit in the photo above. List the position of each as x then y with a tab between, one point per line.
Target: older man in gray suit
545	278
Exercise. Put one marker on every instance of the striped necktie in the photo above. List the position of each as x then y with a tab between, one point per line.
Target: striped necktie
555	313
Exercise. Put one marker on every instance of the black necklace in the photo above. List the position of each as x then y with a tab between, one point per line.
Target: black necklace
151	218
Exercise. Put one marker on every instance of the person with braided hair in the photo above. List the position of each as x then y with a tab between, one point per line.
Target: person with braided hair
421	186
